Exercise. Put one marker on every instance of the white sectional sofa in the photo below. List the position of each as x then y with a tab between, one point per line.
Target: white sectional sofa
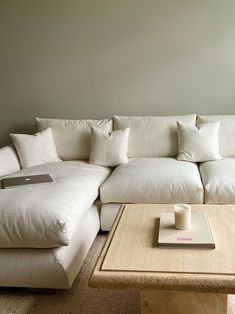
47	230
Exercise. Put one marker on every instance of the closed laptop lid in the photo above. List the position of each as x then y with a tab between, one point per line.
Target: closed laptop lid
26	180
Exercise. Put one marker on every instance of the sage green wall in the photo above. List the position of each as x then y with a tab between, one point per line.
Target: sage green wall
96	58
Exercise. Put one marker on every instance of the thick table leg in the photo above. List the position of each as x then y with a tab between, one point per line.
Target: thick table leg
176	302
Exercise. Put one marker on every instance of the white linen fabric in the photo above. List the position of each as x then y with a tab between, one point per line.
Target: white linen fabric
54	268
47	215
152	136
37	149
108	214
218	178
198	144
109	148
153	180
9	161
226	132
73	137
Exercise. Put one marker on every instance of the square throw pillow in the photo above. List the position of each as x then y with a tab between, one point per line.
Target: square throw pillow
226	132
109	148
37	149
198	144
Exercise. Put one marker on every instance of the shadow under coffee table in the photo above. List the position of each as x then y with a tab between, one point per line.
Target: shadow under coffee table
169	280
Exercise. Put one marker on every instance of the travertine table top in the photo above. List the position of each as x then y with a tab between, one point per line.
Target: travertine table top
131	258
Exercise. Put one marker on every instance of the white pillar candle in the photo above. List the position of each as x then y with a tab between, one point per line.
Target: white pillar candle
182	216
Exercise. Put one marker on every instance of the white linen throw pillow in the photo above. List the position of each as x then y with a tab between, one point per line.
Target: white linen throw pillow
37	149
109	148
198	144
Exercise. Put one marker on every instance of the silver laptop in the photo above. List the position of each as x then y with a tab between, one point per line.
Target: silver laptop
14	182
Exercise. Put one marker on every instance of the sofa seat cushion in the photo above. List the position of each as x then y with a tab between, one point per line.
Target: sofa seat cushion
153	180
47	215
218	178
51	268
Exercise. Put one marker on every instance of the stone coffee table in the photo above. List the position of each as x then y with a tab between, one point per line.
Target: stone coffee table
169	280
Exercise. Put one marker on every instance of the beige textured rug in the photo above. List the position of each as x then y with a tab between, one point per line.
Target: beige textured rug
80	299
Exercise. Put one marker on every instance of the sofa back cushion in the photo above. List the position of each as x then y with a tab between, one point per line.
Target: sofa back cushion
226	132
153	136
73	137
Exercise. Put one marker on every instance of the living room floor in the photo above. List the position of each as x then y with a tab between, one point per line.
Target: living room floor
79	299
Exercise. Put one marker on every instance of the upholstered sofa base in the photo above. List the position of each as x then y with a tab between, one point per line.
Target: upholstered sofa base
50	268
108	214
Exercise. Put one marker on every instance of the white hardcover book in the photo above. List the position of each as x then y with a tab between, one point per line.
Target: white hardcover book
199	235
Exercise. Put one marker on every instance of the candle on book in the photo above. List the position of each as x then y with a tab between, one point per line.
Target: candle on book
182	216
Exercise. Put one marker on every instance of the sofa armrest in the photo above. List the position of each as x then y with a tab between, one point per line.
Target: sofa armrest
9	161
